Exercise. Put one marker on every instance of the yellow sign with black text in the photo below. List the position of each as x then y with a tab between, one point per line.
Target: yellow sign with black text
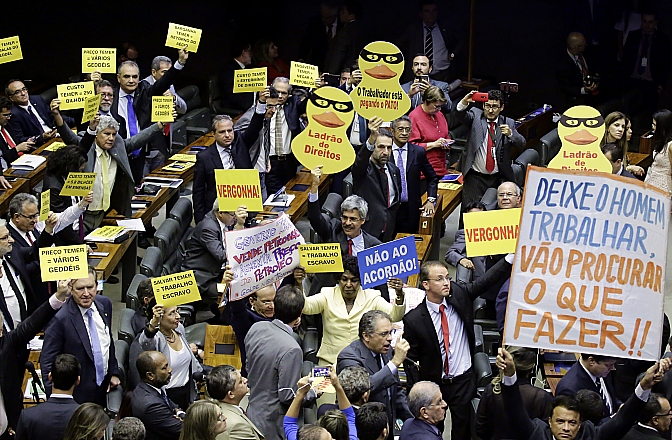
63	262
100	60
45	205
10	50
176	289
162	109
74	95
302	74
249	80
91	105
180	36
78	184
317	258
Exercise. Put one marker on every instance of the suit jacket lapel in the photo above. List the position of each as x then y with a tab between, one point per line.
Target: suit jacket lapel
80	328
32	120
370	362
429	325
216	158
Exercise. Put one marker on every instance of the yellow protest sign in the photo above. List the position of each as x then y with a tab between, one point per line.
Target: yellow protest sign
449	186
379	93
581	129
55	146
63	262
302	74
162	109
491	232
238	187
175	289
317	258
78	184
249	80
91	105
45	204
325	140
101	60
183	157
107	232
180	36
73	95
10	50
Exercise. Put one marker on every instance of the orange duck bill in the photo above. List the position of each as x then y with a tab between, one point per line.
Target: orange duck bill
581	137
329	120
381	71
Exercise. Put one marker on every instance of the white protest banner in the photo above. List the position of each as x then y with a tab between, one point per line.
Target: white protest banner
589	268
262	255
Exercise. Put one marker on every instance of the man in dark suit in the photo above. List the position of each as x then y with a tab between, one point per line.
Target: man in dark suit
31	118
412	162
571	71
486	160
132	103
13	344
107	156
83	328
591	372
230	151
646	65
205	251
447	309
10	149
49	420
150	403
414	89
429	410
654	420
241	58
319	35
373	351
23	213
614	153
350	39
376	179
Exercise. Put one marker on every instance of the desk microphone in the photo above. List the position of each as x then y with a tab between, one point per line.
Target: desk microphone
36	379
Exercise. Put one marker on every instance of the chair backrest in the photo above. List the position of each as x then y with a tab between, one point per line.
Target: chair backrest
179	136
126	332
191	96
519	166
213	93
182	212
152	263
332	205
132	297
49	94
550	145
489	199
347	186
167	237
121	348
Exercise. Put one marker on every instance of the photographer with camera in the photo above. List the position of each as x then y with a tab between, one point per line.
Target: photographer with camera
422	67
576	76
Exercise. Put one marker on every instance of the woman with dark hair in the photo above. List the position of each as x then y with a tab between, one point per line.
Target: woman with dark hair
204	421
60	163
265	54
660	171
87	423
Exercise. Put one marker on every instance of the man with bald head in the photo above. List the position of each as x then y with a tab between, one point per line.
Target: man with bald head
429	409
575	72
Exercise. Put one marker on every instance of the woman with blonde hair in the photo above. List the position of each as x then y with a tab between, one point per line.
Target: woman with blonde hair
265	54
204	421
88	422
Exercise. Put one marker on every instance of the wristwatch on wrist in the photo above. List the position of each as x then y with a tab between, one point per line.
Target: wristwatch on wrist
431	199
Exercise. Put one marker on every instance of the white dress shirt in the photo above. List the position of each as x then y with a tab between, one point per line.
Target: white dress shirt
97	203
44	125
479	159
602	385
459	354
103	333
11	300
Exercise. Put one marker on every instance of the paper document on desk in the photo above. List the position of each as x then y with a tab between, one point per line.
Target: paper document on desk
35	343
28	394
279	200
163	181
55	146
133	224
28	162
105	234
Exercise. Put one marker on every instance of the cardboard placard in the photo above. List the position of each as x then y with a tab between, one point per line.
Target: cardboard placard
491	232
180	36
238	188
397	258
162	109
176	289
63	262
589	271
101	60
91	106
10	50
107	231
249	80
302	74
73	95
183	157
262	255
318	258
45	205
325	140
78	184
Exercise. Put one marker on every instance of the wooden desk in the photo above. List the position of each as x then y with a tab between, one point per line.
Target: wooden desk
423	247
644	160
299	206
37	175
222	336
144	214
126	253
19	186
533	126
451	199
188	174
646	143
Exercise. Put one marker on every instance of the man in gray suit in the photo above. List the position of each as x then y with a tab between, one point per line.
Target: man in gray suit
486	161
107	155
205	251
373	351
274	360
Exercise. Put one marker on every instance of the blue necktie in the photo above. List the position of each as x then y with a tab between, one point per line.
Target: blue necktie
132	120
95	348
402	172
165	397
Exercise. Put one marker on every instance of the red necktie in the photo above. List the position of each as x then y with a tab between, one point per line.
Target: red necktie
8	138
349	246
446	336
166	130
584	68
489	158
30	239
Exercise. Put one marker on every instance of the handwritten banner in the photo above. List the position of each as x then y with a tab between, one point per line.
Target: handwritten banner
397	258
589	272
162	109
302	74
73	95
180	36
316	258
91	105
262	255
63	262
78	184
10	50
491	232
176	289
238	187
45	205
101	60
249	80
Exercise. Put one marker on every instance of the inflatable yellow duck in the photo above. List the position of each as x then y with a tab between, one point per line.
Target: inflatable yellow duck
379	93
324	140
580	130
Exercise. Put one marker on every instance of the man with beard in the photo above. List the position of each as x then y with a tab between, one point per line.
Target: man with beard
422	67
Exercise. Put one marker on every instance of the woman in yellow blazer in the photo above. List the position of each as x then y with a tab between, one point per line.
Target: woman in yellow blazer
343	305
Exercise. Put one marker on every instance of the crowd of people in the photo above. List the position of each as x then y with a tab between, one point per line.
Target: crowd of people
395	181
